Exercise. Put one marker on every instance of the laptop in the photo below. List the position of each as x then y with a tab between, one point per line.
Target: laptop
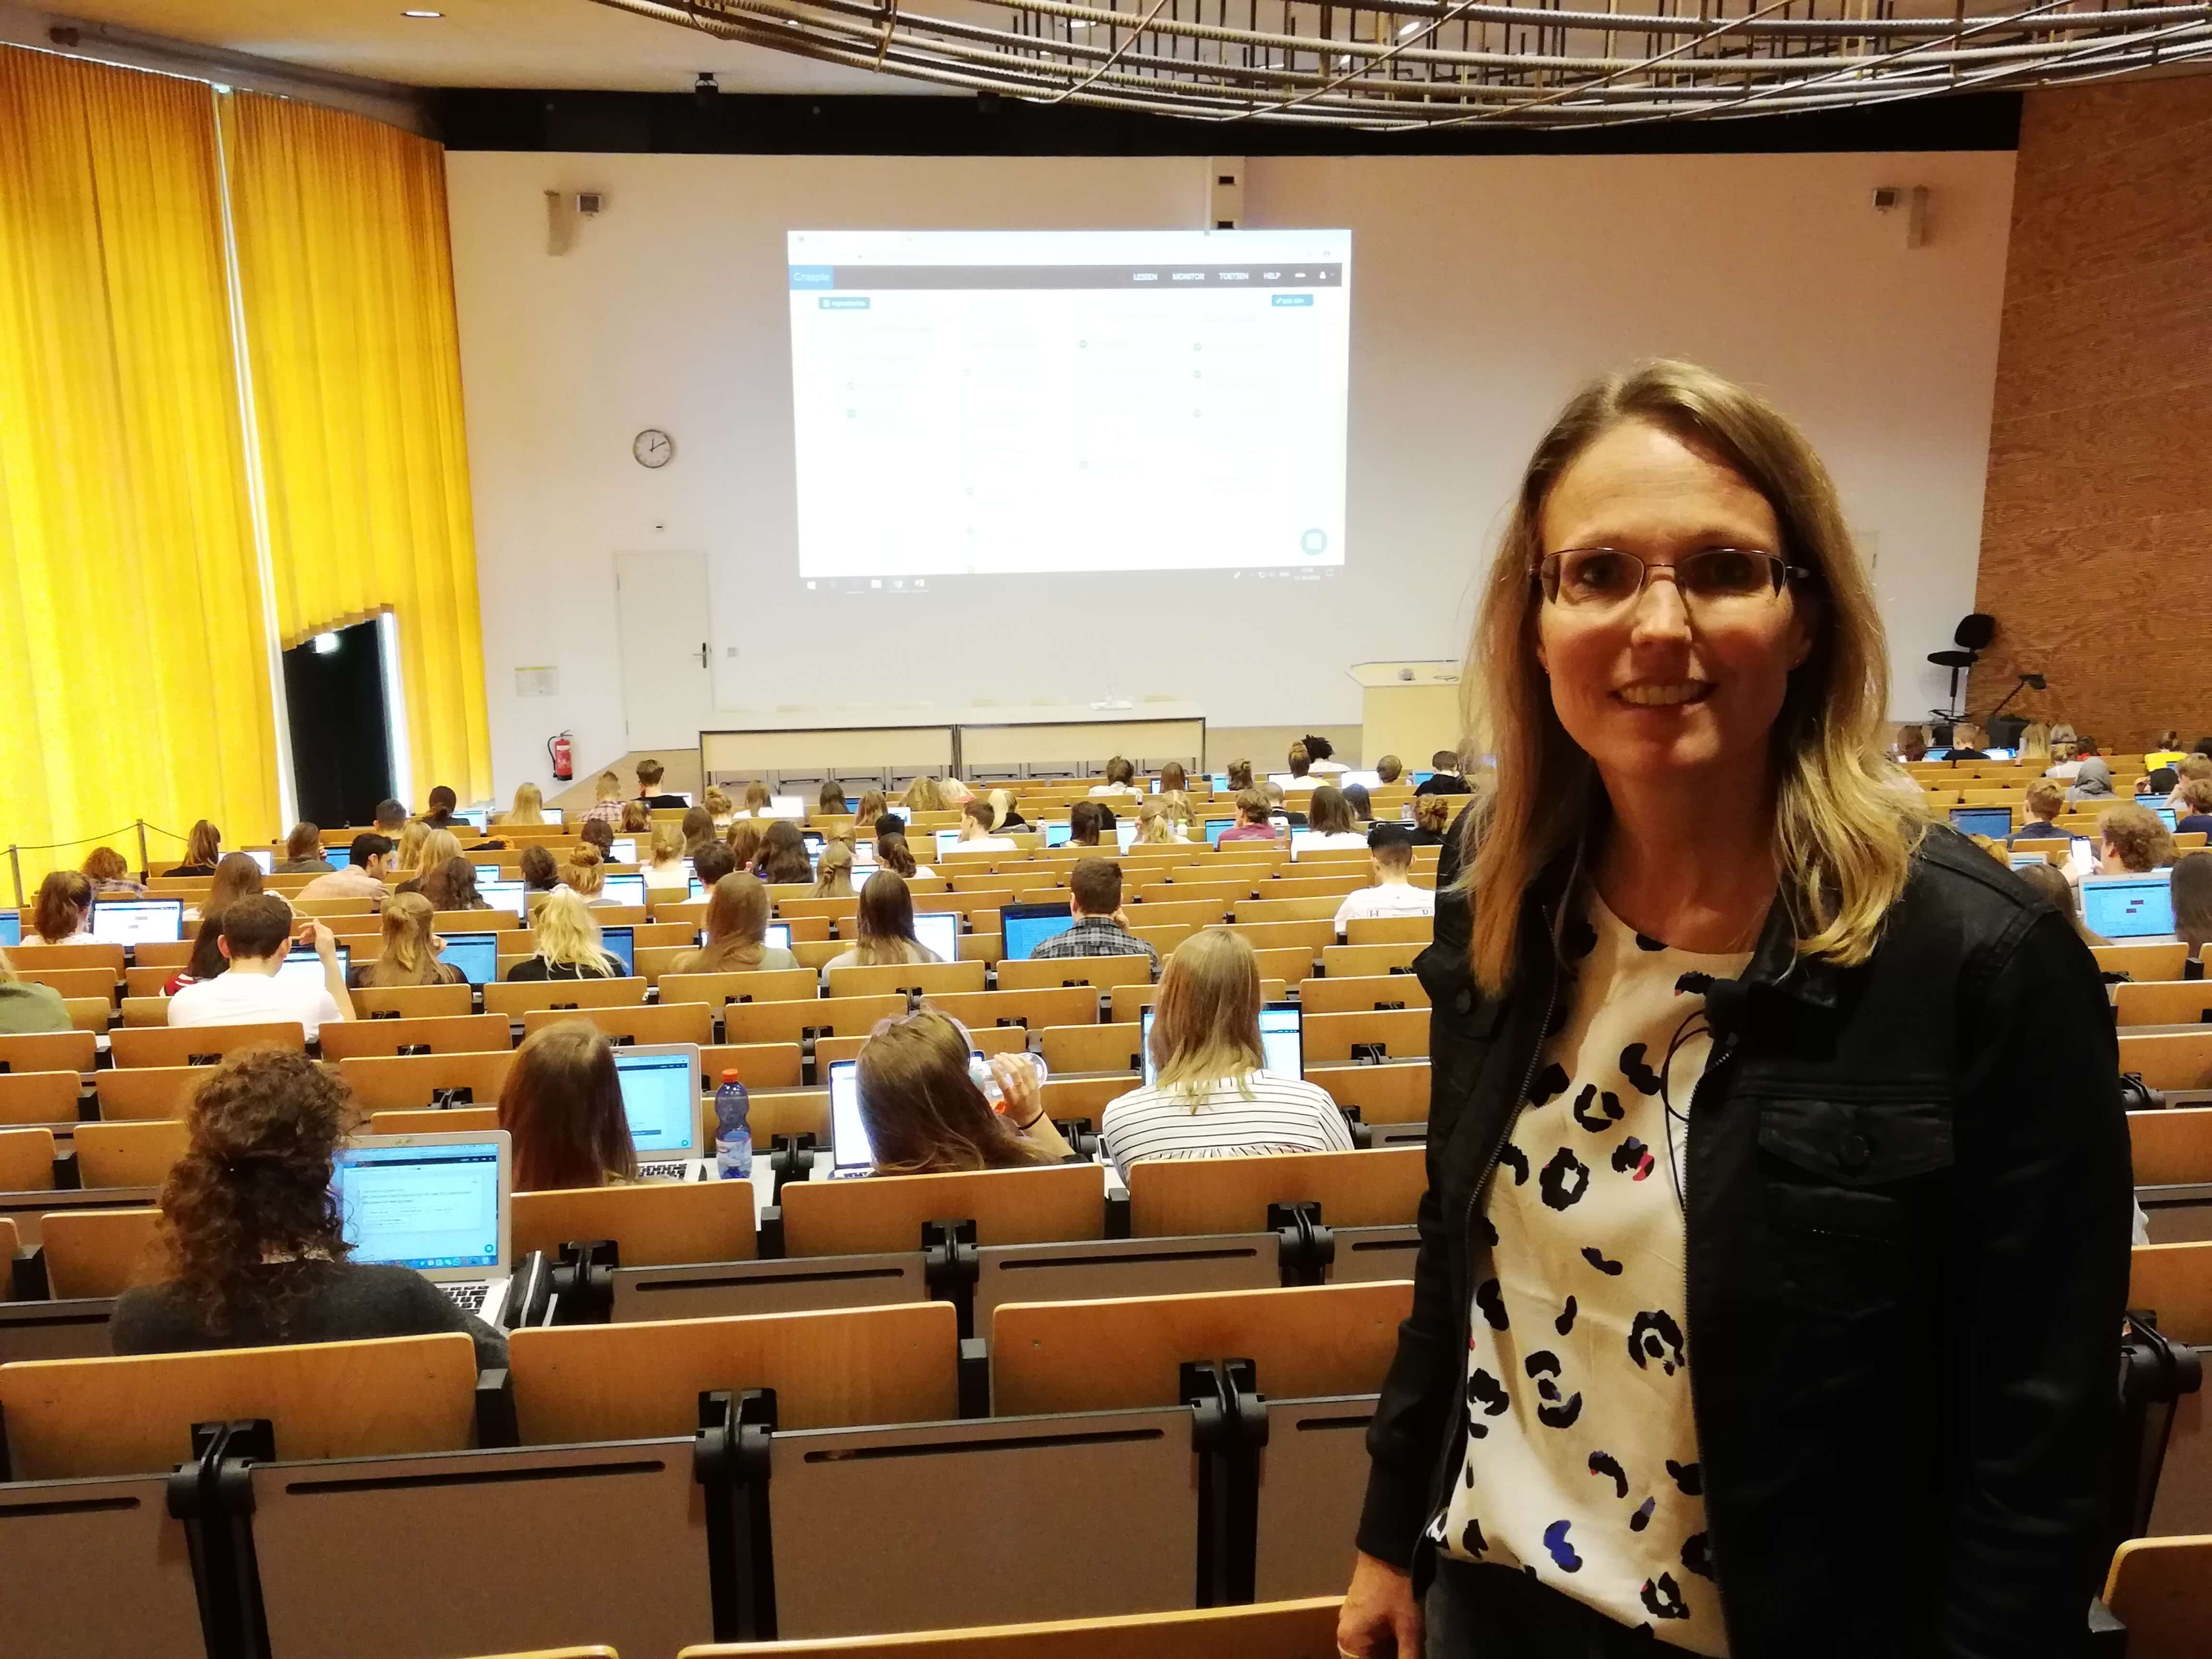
488	872
660	1097
477	818
939	931
264	857
1307	841
2027	861
305	967
1420	778
625	890
2167	816
864	855
946	841
1057	835
621	942
1998	754
622	850
1365	779
1994	821
477	955
11	927
1217	828
899	812
696	891
438	1203
784	806
1125	834
779	935
850	1154
503	896
138	921
1027	926
2129	906
1221	783
1282	1040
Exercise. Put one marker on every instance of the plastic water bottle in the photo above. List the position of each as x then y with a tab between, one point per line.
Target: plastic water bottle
733	1134
980	1073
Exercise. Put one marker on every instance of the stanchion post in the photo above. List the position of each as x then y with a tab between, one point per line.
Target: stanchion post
16	870
145	868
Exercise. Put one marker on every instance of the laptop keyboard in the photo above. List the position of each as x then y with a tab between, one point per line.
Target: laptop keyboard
661	1171
469	1297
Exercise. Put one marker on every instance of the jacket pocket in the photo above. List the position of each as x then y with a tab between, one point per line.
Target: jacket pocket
1842	1180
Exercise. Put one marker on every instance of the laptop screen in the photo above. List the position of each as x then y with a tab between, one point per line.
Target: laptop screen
1282	1040
1998	754
11	927
660	1097
264	857
475	816
1216	828
477	955
622	850
779	935
2130	907
138	921
899	812
849	1135
946	841
2166	816
1420	778
1365	779
305	968
503	895
1056	835
785	806
420	1206
625	890
938	932
1995	821
1027	926
1125	834
2027	861
1220	783
621	942
488	872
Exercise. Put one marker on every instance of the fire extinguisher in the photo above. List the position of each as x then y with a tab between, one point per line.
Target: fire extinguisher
562	748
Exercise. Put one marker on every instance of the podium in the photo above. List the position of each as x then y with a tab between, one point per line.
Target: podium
1409	709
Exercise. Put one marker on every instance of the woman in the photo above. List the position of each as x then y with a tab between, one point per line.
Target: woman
1214	1098
2132	841
1239	776
110	876
584	876
664	866
924	1114
1329	822
1174	794
407	857
883	931
1300	762
598	835
1899	1332
893	852
721	811
636	820
2051	881
303	854
26	1006
829	800
1087	822
236	877
1360	804
870	808
452	886
252	1231
62	912
1120	778
562	1106
1321	755
529	808
782	862
567	936
1431	814
2033	748
737	929
744	842
2192	903
924	794
758	798
1003	816
696	830
410	951
541	872
833	876
440	848
2093	779
203	847
1155	827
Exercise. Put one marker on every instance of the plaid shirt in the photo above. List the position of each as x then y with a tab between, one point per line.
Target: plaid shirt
602	811
1096	936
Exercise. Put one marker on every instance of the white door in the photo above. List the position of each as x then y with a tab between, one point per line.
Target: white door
667	676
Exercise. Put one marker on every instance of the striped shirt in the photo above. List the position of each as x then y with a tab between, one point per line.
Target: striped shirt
1282	1114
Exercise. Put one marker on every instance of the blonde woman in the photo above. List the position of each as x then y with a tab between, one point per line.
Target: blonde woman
202	849
758	799
833	876
924	794
737	931
407	861
567	935
411	950
438	847
664	859
869	809
1156	825
721	811
529	808
584	876
1752	1075
1214	1098
2034	746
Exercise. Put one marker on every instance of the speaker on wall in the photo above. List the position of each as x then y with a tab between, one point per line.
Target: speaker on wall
1225	193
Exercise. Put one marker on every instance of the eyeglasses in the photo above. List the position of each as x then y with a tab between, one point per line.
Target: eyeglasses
1599	582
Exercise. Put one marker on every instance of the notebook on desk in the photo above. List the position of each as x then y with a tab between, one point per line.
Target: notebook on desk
441	1204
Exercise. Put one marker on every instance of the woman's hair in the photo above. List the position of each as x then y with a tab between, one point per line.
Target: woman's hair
830	797
1357	799
1433	812
568	931
666	846
438	845
744	842
65	904
697	830
1086	822
1206	1026
1173	781
1300	759
1843	837
599	835
581	875
924	794
1329	814
1317	748
2046	798
736	925
833	878
541	872
758	795
783	860
1119	770
2197	794
891	851
408	860
1239	773
529	806
1253	806
248	1208
2050	880
718	805
2138	836
236	877
452	886
410	956
923	1112
1155	824
2192	899
2034	744
7	970
871	807
1913	743
105	864
305	842
204	844
563	1104
884	929
1001	805
636	820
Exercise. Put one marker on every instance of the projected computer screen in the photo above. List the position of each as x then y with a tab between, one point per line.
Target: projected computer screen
1165	400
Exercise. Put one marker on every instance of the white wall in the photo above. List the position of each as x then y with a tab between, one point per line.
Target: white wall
1484	291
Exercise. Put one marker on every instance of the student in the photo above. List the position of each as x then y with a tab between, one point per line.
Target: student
303	854
830	798
561	1105
62	913
2073	754
1967	743
2165	751
2047	799
872	808
1321	757
452	886
1087	822
529	808
567	935
1174	797
2192	903
884	927
367	856
1238	772
443	802
2195	795
256	936
541	872
1173	780
721	811
833	876
1003	816
26	1006
1329	817
598	835
893	853
1255	818
606	805
236	877
1389	769
2051	881
737	931
1390	860
664	866
924	794
1102	926
203	848
1300	762
713	862
783	861
1212	1098
2132	841
1279	814
924	1114
635	819
389	819
406	861
439	849
1431	814
975	834
110	876
1120	778
2188	768
1445	778
758	799
1156	825
583	875
1357	798
253	1238
649	773
744	842
410	951
2033	748
697	829
2160	784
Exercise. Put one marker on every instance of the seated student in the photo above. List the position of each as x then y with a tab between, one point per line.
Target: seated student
1362	805
1432	814
2133	840
437	848
1003	816
1238	772
635	819
1390	860
2158	786
541	872
528	810
1967	743
833	876
713	862
1087	822
1389	769
924	1114
663	863
2092	782
441	815
62	912
567	935
2051	881
1173	794
1321	755
1279	814
721	811
1445	778
203	848
255	1253
872	803
2192	903
1156	825
2165	751
1255	818
452	886
1120	778
758	798
362	877
2047	799
1102	926
830	798
697	828
975	834
893	852
303	854
562	1104
1300	762
26	1006
256	935
649	773
2196	808
924	794
598	835
737	931
110	876
583	875
744	842
606	800
884	930
410	951
2189	768
389	819
1212	1099
236	877
207	960
1328	816
783	861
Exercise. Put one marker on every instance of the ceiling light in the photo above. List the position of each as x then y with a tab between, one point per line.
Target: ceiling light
326	645
421	14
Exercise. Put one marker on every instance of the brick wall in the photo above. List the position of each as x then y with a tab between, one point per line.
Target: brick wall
2097	534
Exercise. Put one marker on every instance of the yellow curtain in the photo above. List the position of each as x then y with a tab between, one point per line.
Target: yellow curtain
131	635
347	295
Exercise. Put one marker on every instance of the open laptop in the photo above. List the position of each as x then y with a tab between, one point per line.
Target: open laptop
779	935
1365	779
477	818
621	943
784	806
264	857
1217	828
946	841
2129	906
1994	821
138	921
503	896
625	890
622	850
477	955
1125	832
306	967
660	1097
850	1154
439	1203
1057	835
11	927
938	931
2167	816
1282	1040
1027	926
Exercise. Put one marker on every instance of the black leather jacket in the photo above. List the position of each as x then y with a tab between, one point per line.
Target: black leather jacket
1908	1227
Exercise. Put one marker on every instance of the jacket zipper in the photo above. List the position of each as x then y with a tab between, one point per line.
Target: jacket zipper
1722	1055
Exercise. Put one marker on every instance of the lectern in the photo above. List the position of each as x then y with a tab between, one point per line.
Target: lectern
1409	709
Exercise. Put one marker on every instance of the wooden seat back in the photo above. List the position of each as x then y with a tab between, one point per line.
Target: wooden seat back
74	981
450	1120
2161	1589
1402	1033
1076	1004
2166	1002
1172	1197
2171	1147
1102	972
1129	1001
147	1092
2174	1281
930	978
1109	1048
410	1082
2175	1060
1269	1629
99	1252
775	985
680	1022
128	1154
178	1045
795	1022
1170	912
141	1012
652	1224
459	1033
36	958
414	1001
1390	930
1383	1094
48	1051
1257	910
524	996
27	1160
1052	1204
38	1097
758	1064
1365	994
1361	961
